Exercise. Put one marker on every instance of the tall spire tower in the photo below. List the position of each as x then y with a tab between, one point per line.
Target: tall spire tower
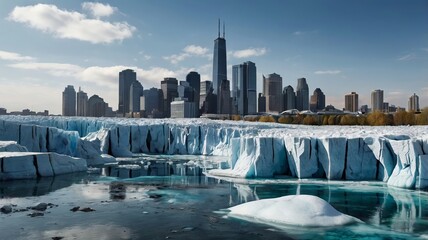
219	66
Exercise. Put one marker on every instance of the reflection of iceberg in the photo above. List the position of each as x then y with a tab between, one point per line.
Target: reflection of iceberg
396	155
97	231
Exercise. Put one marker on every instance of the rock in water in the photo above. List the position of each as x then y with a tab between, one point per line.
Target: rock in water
298	210
40	207
6	209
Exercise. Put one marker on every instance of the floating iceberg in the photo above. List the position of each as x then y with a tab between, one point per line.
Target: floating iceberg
298	210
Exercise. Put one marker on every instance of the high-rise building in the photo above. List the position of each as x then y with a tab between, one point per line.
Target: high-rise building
351	102
219	68
169	88
194	80
82	103
289	101
377	100
317	100
272	90
152	102
302	95
225	99
69	101
135	92
126	78
96	107
414	103
244	92
261	103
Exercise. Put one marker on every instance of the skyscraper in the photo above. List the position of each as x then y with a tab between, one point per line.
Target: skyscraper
224	97
244	93
69	101
219	67
261	103
377	100
414	103
317	100
289	98
302	95
272	89
152	102
194	80
351	102
135	92
82	103
126	78
169	89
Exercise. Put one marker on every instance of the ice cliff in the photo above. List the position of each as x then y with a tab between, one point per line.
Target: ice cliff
396	155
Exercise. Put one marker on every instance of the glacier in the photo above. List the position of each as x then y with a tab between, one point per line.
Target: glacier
396	155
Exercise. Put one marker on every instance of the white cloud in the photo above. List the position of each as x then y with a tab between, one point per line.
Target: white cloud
188	51
55	69
11	56
98	10
407	57
329	72
147	57
70	24
195	50
250	52
300	33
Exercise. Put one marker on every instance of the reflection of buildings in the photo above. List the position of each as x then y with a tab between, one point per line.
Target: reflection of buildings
117	191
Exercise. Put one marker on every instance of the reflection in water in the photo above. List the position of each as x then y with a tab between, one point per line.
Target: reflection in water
39	187
399	210
105	232
117	191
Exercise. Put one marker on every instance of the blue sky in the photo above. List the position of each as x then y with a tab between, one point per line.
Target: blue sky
339	46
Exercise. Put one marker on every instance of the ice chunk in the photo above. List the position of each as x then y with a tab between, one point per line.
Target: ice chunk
331	154
381	150
62	164
17	166
298	210
11	146
119	141
301	156
361	163
44	167
405	171
423	172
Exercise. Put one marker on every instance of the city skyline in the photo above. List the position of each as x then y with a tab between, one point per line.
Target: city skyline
374	46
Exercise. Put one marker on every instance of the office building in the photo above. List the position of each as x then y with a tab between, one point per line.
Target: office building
317	100
261	101
126	78
194	80
69	101
351	102
224	98
377	100
82	103
414	103
289	96
152	103
96	107
302	95
182	108
169	88
272	90
135	92
219	68
244	88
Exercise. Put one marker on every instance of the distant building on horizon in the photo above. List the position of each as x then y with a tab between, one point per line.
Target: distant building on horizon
220	70
69	101
82	103
302	95
317	100
351	102
182	108
289	98
244	88
377	100
414	103
126	78
272	90
151	103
